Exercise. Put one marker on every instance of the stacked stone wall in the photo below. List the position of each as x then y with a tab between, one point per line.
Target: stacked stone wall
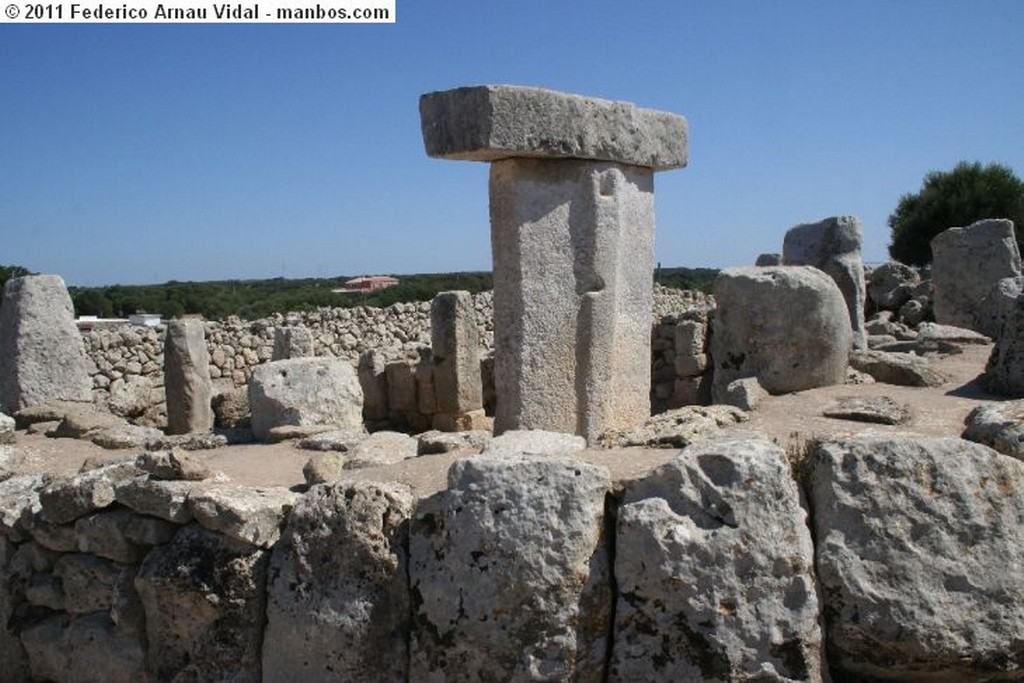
122	357
157	569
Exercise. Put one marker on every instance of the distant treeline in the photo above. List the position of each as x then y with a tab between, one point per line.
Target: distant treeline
251	299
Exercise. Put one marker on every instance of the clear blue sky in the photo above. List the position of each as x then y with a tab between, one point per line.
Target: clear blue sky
137	153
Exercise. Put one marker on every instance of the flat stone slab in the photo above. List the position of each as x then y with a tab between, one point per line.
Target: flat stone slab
491	122
875	409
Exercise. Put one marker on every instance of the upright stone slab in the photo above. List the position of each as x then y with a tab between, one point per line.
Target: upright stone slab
187	378
966	264
834	247
42	357
572	225
292	342
456	345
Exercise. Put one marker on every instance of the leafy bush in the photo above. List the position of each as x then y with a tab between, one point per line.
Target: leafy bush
969	193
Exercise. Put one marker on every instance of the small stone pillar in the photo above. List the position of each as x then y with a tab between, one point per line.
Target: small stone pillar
42	356
572	228
292	342
187	378
455	341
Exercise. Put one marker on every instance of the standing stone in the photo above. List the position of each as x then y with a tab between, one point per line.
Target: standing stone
374	382
42	356
833	246
455	341
187	378
966	265
1004	372
509	572
997	306
292	342
338	599
786	325
918	544
764	260
714	566
572	223
302	392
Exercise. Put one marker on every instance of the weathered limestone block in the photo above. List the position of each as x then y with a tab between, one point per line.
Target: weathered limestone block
745	393
572	221
534	442
292	342
131	396
104	533
204	598
892	284
492	122
999	426
381	448
373	379
917	541
714	566
338	601
246	514
786	325
905	369
65	499
166	500
88	648
13	659
573	256
1004	372
771	259
455	342
304	392
966	264
173	465
678	428
89	581
42	356
834	247
124	436
19	503
6	429
82	421
187	378
874	409
231	408
509	572
401	382
997	306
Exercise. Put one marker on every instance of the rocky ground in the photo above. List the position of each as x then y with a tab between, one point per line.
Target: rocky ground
788	420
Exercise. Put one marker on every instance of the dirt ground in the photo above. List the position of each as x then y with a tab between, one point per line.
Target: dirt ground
786	419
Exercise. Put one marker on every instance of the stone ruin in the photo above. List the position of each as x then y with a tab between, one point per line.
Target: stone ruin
733	560
572	230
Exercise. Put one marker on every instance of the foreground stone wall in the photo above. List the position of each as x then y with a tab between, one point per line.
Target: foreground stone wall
527	567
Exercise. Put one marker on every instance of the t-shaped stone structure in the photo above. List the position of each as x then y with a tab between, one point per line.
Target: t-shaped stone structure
572	236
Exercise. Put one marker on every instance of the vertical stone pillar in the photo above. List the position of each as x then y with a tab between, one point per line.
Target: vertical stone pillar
42	356
187	378
572	229
292	342
455	341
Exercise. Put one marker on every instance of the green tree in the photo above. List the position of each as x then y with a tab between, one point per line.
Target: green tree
8	272
947	199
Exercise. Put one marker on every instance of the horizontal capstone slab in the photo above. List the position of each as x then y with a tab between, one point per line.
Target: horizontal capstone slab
490	122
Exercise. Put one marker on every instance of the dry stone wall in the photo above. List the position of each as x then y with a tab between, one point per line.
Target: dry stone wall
891	565
126	362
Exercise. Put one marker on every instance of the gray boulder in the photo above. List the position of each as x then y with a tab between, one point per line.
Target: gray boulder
999	426
914	537
42	356
131	396
65	499
891	285
204	598
292	342
509	573
329	617
997	306
677	428
534	442
966	264
714	564
87	648
1004	372
381	448
6	429
243	513
305	392
786	325
875	409
904	369
834	247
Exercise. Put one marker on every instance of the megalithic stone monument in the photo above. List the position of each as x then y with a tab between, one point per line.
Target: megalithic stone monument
572	236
